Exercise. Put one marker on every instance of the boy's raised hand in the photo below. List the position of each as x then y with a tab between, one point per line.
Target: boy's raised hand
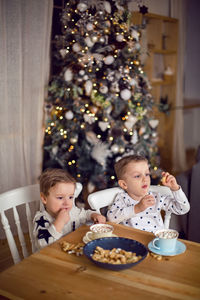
170	181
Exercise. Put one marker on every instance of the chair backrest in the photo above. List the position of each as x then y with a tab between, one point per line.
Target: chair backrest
103	198
28	199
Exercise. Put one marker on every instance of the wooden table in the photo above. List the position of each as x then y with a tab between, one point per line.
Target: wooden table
54	274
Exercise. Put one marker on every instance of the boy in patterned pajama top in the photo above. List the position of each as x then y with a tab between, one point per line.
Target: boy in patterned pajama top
59	214
135	205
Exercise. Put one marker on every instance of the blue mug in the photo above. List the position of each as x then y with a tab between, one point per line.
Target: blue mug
165	240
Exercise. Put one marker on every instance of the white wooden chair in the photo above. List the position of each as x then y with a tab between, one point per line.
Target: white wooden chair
27	198
103	198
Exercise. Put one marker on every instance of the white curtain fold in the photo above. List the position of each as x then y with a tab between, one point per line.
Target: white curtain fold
25	30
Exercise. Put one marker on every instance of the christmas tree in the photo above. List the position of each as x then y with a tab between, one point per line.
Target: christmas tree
99	104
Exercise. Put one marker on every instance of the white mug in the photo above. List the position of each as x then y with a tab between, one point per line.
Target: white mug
98	231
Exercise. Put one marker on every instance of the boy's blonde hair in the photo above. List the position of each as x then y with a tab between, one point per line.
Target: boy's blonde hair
50	177
120	166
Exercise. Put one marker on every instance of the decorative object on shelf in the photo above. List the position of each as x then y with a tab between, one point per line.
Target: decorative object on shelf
168	73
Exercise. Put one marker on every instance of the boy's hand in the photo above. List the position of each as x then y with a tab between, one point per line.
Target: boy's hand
97	218
62	218
144	203
170	181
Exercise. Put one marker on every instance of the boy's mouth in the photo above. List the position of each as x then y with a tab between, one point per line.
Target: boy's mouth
144	186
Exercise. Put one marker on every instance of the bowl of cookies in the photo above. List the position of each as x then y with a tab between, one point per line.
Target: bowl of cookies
115	253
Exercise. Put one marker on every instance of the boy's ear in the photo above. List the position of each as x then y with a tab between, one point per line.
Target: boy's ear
43	198
122	184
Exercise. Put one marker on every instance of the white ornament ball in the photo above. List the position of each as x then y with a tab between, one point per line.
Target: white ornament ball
125	94
88	41
55	150
76	47
68	75
115	148
89	26
85	77
94	38
120	37
82	7
69	115
102	39
81	72
103	89
108	60
74	140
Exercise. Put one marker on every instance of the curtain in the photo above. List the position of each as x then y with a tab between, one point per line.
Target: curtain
178	10
25	29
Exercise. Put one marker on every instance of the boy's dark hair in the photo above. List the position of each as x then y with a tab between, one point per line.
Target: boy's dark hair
120	166
50	177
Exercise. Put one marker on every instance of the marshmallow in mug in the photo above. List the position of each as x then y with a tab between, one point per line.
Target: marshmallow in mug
167	234
101	228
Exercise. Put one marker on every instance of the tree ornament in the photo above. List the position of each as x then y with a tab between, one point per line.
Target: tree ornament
68	75
63	52
76	47
82	7
108	60
134	34
93	109
114	87
81	72
88	87
89	118
103	125
115	148
120	37
91	137
89	26
142	130
102	39
88	42
94	38
107	7
100	152
103	89
85	77
54	150
130	122
153	123
69	115
74	139
125	94
134	138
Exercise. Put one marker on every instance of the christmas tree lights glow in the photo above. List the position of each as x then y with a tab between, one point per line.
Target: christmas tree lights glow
99	105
